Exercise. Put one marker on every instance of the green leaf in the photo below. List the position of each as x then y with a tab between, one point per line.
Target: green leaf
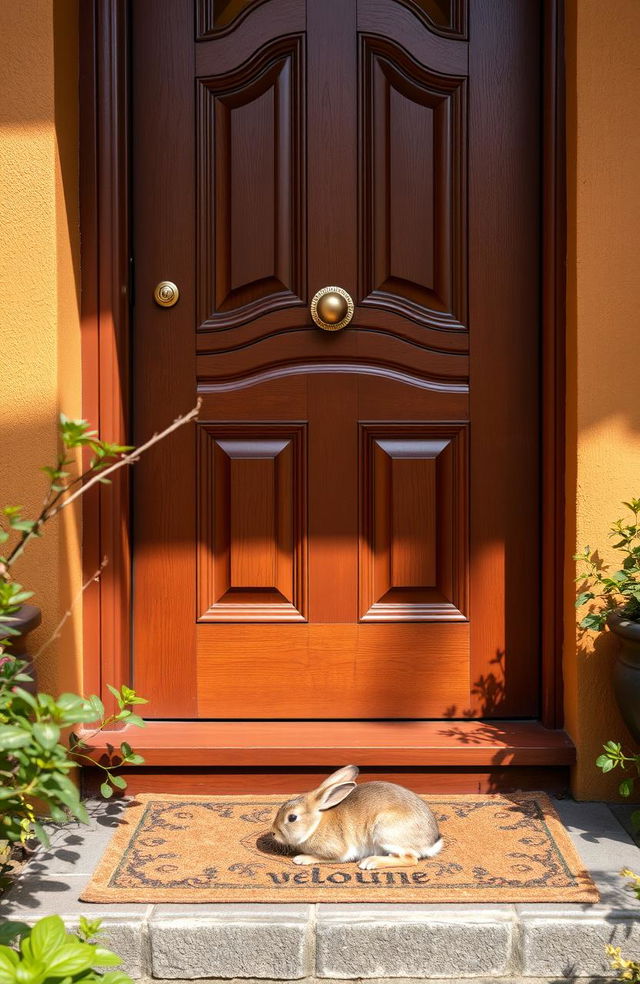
584	597
26	697
626	787
105	958
71	959
68	794
9	931
119	781
21	596
602	760
608	766
41	833
112	690
46	735
47	937
134	759
125	749
89	928
22	525
136	720
619	577
106	790
116	977
70	703
12	737
97	706
594	620
8	963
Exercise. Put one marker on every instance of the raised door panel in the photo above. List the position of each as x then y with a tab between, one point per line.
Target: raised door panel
414	522
413	165
251	188
252	537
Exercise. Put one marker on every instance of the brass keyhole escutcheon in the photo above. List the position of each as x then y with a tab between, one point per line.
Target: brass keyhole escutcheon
332	308
166	293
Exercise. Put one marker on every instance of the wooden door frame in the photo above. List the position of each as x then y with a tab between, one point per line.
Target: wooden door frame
106	340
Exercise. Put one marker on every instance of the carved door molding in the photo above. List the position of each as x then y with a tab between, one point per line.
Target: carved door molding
105	320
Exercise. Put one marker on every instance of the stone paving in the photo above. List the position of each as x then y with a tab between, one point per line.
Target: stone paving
509	944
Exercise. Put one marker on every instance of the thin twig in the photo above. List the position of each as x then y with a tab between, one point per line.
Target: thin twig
67	615
56	506
128	459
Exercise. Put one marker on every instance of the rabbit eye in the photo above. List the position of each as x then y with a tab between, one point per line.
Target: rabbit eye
292	817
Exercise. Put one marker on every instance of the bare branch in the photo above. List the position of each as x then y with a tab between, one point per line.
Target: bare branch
67	615
128	459
59	502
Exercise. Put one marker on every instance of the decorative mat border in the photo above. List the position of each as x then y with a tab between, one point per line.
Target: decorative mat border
392	885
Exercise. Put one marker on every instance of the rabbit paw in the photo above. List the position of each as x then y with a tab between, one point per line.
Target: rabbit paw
305	859
388	861
375	861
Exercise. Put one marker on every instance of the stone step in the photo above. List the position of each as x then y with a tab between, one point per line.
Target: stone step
342	942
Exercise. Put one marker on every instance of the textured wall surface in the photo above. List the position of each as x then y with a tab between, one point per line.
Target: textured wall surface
603	300
39	294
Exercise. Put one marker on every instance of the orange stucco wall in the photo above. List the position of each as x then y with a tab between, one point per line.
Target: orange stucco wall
39	294
40	334
603	335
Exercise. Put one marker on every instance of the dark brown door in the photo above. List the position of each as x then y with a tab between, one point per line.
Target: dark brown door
351	529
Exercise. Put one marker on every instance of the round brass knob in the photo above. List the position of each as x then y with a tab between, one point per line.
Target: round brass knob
166	293
332	308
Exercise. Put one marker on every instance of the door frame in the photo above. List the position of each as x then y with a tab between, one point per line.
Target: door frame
106	341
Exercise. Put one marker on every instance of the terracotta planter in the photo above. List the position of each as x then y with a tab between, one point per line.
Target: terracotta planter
626	673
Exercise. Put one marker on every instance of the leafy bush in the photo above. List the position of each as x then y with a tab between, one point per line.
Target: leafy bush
618	589
47	954
34	761
35	758
630	968
612	757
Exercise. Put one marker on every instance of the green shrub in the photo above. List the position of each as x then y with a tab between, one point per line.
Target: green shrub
35	761
47	954
616	589
35	756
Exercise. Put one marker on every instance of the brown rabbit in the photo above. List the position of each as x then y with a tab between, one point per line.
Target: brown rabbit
378	824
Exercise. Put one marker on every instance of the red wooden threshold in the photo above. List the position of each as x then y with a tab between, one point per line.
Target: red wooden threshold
319	743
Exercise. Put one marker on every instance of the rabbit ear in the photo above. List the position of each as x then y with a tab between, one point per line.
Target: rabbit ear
348	773
333	795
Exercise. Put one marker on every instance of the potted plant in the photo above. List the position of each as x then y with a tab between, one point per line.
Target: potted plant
618	595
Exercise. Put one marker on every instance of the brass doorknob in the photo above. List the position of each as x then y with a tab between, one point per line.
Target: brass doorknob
332	308
166	293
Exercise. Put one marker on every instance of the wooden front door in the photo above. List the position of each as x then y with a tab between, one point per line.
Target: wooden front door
351	530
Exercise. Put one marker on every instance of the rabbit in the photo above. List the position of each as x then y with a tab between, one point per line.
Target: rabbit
378	824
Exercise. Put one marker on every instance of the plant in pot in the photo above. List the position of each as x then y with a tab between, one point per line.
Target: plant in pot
616	594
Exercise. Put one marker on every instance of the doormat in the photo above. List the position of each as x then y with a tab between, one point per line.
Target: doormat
497	848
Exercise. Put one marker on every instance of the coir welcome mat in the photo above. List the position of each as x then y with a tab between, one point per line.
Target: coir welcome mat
497	848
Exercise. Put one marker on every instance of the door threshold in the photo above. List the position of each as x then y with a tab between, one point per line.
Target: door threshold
301	744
